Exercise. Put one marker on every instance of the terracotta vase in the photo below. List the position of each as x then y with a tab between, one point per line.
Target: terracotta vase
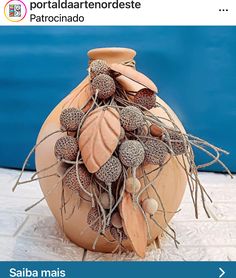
170	184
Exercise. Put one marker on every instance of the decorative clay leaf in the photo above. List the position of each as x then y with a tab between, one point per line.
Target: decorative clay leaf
134	75
134	224
99	137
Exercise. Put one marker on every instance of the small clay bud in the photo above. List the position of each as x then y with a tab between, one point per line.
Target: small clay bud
105	200
116	220
70	118
146	98
104	85
131	118
66	148
98	67
156	131
132	185
131	153
150	206
110	171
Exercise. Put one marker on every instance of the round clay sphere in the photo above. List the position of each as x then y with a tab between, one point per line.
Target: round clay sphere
156	151
146	98
110	171
132	185
98	67
105	200
131	118
66	148
175	141
150	206
116	220
70	180
70	118
104	85
131	153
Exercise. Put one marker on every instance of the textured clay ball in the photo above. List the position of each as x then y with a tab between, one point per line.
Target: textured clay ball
155	152
71	181
131	153
156	131
104	85
132	185
105	200
177	143
70	118
98	67
118	234
66	148
131	118
110	171
150	206
116	220
145	98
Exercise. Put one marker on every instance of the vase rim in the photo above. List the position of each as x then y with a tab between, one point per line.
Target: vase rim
112	54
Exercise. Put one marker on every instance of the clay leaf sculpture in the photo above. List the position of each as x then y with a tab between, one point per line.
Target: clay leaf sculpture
134	75
99	137
134	224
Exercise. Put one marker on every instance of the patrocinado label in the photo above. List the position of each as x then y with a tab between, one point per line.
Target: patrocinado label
56	18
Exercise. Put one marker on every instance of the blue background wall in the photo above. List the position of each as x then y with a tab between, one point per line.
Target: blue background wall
194	68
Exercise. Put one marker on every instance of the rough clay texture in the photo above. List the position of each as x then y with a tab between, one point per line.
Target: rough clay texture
94	219
131	153
105	86
131	118
71	181
66	148
145	98
176	140
70	118
110	171
118	234
155	152
98	67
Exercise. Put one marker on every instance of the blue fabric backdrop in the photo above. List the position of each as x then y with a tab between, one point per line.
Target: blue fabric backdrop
194	68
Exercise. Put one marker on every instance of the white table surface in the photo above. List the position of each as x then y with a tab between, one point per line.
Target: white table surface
36	236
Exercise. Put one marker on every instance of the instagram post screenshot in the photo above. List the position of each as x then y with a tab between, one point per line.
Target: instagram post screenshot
117	138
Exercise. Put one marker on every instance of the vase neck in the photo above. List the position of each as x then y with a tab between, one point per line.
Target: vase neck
112	54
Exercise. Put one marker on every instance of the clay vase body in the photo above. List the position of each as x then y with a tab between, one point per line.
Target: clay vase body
170	185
